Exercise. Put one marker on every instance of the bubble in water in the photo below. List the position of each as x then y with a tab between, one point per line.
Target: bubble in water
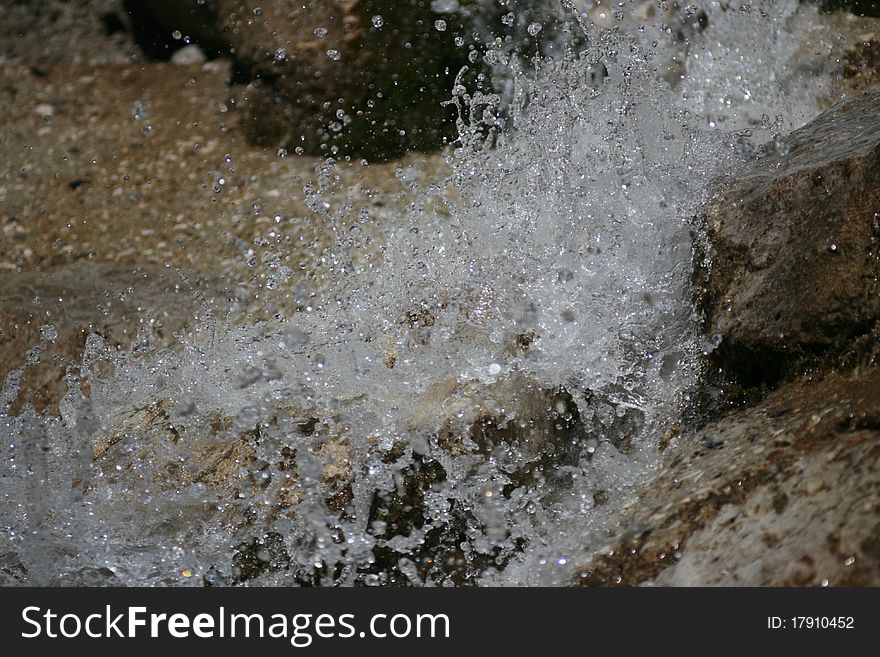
280	55
335	55
440	25
508	18
176	35
320	32
534	28
378	21
49	333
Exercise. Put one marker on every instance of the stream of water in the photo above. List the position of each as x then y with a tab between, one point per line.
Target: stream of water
470	388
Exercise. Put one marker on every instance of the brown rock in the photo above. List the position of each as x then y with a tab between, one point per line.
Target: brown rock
786	493
794	247
324	73
364	78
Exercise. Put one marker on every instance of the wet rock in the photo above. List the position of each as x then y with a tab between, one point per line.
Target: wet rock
861	65
794	248
516	433
323	74
235	483
786	493
860	7
365	78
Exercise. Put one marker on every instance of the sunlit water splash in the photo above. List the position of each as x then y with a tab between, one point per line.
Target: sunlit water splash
474	387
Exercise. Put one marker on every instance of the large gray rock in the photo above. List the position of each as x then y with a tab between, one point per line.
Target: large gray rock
794	247
785	492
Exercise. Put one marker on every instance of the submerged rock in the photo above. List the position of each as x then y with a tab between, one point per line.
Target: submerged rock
123	304
794	247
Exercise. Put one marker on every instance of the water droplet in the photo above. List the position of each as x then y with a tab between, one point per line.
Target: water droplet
378	21
176	35
139	110
320	32
334	55
534	28
440	25
508	18
280	55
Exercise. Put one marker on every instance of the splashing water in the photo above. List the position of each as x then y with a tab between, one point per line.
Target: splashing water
474	386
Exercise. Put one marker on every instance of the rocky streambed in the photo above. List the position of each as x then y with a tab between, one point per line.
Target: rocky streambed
140	207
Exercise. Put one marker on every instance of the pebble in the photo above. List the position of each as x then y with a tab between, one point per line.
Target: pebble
190	55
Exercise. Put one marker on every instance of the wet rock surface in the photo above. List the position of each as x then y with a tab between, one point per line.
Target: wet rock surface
786	493
332	74
794	241
359	78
